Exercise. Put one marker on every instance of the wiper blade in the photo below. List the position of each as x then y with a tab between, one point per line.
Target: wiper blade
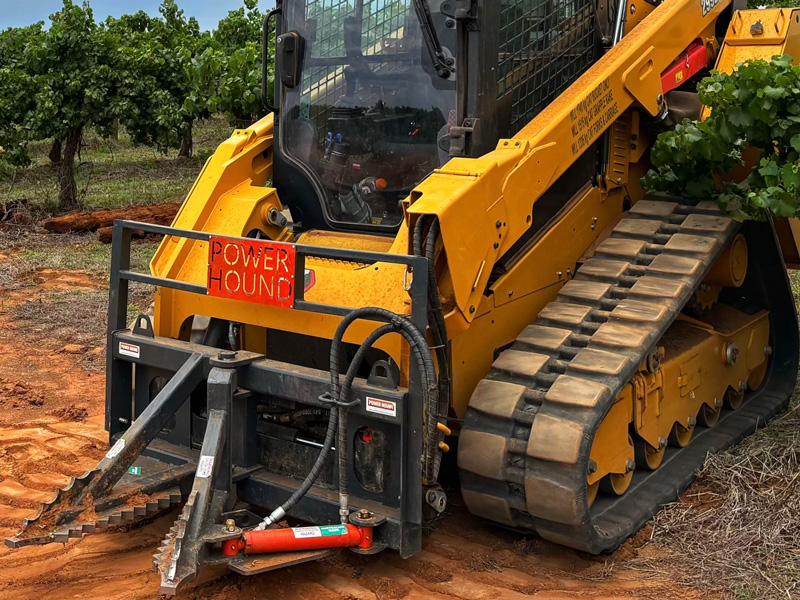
440	62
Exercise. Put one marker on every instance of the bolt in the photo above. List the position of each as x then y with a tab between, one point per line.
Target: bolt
767	350
592	467
742	386
569	272
510	293
718	402
630	465
633	9
504	144
662	442
496	245
692	421
230	525
731	353
472	309
226	355
660	99
560	274
364	514
619	180
449	23
123	421
516	144
499	224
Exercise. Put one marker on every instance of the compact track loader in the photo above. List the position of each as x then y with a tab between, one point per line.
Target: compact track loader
436	244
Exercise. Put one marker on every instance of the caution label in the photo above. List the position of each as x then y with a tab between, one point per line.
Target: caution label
118	447
205	466
382	407
592	116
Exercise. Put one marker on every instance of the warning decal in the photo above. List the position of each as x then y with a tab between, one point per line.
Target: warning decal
205	466
324	531
592	116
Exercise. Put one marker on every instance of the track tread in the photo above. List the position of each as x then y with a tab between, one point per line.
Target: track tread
598	330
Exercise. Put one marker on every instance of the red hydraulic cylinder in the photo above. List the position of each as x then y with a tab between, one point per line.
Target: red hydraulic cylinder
299	538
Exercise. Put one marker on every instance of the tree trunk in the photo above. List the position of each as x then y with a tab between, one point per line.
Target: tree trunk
55	152
186	143
68	195
115	130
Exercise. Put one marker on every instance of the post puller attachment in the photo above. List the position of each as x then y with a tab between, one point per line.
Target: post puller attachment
178	410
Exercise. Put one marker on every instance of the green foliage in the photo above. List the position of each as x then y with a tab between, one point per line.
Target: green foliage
771	3
755	109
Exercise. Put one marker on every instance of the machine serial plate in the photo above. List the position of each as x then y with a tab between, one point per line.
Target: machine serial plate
259	271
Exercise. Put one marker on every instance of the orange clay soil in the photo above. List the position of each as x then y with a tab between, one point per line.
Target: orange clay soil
40	448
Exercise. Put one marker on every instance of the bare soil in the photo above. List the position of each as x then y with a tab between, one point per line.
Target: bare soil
51	428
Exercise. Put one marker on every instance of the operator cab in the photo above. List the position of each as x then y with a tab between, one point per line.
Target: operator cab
365	94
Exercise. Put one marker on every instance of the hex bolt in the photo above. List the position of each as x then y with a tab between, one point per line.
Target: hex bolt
472	309
498	224
496	245
692	421
592	467
449	23
364	514
662	442
230	525
767	350
226	355
718	402
660	99
630	465
124	421
510	293
633	9
731	353
742	386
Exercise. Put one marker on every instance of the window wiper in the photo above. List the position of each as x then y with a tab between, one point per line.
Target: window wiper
440	63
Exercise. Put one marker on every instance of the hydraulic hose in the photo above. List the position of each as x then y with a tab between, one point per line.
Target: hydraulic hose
436	321
421	352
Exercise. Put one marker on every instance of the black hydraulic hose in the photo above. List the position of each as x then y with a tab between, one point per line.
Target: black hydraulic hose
438	332
435	319
342	441
420	350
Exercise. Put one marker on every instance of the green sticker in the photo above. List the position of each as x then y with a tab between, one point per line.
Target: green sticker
333	530
135	470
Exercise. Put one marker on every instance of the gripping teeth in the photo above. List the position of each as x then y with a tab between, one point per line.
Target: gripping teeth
105	519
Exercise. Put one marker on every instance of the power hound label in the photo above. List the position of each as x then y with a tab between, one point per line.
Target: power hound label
314	532
382	407
116	448
204	466
129	349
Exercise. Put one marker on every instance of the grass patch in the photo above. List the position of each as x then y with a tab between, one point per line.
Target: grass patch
738	529
28	252
114	173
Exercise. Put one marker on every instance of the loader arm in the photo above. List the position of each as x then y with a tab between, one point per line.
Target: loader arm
503	186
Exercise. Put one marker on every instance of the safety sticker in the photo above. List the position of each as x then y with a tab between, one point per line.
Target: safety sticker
204	466
382	407
116	448
135	470
324	531
127	349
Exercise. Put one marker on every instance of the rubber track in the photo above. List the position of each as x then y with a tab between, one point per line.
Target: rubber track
524	449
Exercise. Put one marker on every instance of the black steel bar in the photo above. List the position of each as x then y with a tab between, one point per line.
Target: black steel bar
164	282
144	429
119	376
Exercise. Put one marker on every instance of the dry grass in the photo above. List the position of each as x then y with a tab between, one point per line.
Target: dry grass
738	528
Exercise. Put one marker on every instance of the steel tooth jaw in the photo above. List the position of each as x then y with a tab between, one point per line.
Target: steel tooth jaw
126	514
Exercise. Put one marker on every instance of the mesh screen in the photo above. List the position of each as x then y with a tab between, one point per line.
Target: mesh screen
544	46
381	25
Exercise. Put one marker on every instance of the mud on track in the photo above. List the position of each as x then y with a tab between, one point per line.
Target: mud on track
51	427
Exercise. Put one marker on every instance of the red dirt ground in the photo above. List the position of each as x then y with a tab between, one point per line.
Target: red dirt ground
51	427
